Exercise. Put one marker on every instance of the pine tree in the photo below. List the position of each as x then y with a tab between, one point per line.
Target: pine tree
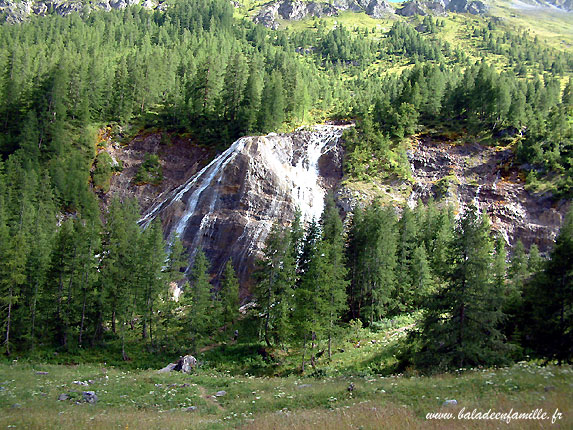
152	278
499	266
460	327
61	283
518	270
199	314
273	103
12	278
336	273
379	261
274	290
177	261
229	295
251	101
312	300
535	262
550	298
119	272
407	240
422	282
518	274
236	77
353	253
88	231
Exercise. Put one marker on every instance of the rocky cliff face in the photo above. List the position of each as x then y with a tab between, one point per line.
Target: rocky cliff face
227	204
19	11
473	174
416	7
474	7
180	159
228	208
294	10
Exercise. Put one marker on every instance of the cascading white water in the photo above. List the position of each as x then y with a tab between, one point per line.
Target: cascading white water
303	179
288	163
274	154
205	180
202	179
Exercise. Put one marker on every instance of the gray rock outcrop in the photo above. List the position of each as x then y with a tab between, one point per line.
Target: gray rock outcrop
295	10
378	8
417	7
18	11
472	174
474	7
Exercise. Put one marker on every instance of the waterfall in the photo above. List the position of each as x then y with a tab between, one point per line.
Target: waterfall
306	192
229	206
203	178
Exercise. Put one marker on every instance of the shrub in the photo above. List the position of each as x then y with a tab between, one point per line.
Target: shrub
150	171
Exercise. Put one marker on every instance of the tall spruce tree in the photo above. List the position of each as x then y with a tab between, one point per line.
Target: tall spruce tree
199	315
153	279
336	273
274	290
229	295
460	327
549	299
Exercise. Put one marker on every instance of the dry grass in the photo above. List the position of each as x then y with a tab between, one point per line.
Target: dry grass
364	415
83	418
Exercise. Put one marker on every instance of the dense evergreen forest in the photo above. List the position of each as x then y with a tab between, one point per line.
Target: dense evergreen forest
75	275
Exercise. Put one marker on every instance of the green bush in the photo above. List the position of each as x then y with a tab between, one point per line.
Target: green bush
150	171
103	171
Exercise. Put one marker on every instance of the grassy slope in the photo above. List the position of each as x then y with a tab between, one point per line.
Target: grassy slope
146	399
552	26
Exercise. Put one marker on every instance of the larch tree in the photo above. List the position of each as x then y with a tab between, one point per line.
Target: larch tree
460	327
229	294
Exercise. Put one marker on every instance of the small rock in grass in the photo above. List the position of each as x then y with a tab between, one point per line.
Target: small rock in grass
80	383
303	386
168	368
41	373
190	409
16	406
220	393
451	402
89	396
549	388
63	397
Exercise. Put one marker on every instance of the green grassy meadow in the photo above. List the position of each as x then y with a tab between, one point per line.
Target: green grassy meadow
272	394
145	399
